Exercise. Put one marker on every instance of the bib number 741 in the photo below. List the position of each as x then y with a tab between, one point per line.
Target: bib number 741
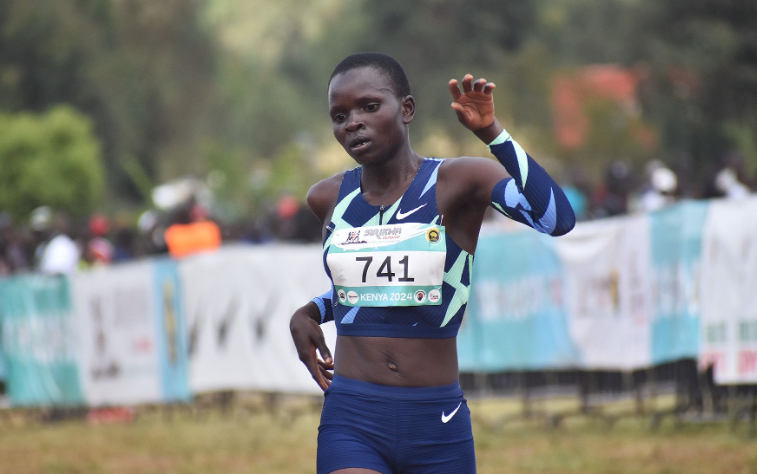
385	269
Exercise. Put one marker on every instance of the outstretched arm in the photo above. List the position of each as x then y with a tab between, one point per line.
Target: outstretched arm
530	196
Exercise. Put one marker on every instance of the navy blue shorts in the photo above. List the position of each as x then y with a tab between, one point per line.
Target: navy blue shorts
395	430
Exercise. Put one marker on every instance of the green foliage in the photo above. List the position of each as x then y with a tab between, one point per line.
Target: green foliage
52	159
160	80
141	70
715	43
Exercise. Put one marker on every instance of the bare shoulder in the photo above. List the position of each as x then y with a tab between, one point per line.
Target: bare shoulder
322	196
473	169
467	181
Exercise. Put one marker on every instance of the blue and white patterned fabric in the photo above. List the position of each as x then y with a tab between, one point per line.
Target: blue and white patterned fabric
418	204
531	196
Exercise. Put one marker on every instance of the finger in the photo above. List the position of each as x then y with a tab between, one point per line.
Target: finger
315	372
326	365
460	111
478	86
325	352
454	90
467	81
324	378
327	374
320	342
457	107
489	87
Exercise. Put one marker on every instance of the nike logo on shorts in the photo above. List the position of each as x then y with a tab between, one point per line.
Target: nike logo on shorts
446	418
401	216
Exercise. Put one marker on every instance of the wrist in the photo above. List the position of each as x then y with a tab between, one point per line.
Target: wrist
490	132
309	311
501	138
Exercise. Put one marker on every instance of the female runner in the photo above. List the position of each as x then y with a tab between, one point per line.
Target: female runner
400	231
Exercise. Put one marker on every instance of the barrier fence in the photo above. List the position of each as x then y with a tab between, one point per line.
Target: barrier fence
641	303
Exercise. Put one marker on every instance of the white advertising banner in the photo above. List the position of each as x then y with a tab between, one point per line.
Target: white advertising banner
608	292
238	302
114	310
729	292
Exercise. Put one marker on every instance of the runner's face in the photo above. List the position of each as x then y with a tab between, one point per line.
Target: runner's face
368	118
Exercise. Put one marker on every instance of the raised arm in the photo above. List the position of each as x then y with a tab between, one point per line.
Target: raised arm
530	196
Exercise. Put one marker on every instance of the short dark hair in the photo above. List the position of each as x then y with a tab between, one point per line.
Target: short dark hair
383	63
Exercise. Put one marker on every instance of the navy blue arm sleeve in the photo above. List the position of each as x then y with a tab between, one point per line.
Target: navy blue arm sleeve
531	196
324	306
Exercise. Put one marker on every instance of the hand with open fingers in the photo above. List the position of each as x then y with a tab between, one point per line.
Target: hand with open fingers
475	104
308	338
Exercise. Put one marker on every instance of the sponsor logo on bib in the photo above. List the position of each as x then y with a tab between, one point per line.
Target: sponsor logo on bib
352	297
434	296
420	296
432	235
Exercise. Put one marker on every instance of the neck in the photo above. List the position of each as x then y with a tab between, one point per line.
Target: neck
391	174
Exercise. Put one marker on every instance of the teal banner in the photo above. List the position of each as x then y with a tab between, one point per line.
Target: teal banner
676	265
171	338
39	341
2	360
516	316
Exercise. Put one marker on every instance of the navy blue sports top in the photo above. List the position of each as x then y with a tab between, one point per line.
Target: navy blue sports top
529	196
417	204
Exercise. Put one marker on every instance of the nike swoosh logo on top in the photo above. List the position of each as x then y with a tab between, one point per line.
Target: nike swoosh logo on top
446	418
401	216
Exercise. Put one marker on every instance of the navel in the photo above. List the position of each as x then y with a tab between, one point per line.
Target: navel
392	366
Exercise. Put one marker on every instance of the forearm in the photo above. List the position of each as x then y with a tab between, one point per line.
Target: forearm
308	311
531	196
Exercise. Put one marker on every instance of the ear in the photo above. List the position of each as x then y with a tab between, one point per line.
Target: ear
408	109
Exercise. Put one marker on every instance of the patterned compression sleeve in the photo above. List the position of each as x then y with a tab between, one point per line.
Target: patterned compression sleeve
531	196
324	306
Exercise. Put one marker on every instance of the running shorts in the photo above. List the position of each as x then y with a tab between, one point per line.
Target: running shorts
395	430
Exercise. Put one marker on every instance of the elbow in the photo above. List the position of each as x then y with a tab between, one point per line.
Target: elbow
565	223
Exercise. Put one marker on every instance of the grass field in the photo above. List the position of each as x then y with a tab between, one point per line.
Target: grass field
284	441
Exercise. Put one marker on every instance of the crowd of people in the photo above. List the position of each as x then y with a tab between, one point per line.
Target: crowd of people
51	242
656	185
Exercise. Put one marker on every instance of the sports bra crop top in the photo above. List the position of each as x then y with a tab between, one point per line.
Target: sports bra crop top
432	271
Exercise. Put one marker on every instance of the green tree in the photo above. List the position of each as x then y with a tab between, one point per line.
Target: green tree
51	159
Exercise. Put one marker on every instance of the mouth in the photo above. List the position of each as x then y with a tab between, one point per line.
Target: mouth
359	144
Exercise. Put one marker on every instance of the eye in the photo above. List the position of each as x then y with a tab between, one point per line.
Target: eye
338	118
371	107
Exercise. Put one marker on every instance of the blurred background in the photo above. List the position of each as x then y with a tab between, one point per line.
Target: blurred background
103	101
135	129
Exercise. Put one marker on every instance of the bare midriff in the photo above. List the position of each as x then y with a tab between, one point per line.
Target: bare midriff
399	362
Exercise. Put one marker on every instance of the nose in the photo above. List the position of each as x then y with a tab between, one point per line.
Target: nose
354	123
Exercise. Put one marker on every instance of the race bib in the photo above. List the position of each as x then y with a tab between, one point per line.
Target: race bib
388	265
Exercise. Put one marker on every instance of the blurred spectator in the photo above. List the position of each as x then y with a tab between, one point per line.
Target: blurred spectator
98	249
14	256
727	183
193	232
659	191
151	233
59	254
124	244
295	222
6	267
611	199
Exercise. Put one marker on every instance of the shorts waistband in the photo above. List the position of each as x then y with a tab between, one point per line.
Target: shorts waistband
348	385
